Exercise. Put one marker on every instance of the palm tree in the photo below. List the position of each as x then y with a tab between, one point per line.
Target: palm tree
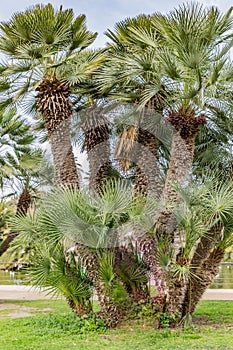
25	177
129	68
15	137
45	48
91	120
209	252
6	213
60	274
193	52
205	225
16	142
94	223
195	58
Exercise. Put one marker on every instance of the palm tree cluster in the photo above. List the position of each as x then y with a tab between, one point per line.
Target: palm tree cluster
153	111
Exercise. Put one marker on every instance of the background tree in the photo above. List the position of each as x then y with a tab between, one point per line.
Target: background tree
44	46
21	185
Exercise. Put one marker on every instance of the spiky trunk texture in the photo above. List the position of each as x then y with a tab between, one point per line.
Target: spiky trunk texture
204	247
177	285
78	308
55	107
96	131
176	294
186	126
108	310
204	278
201	254
147	175
149	182
147	246
181	160
180	299
23	205
65	171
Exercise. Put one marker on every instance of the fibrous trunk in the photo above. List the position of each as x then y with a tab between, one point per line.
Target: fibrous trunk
96	131
148	182
201	254
181	159
147	246
65	171
147	175
202	280
55	107
79	308
108	309
186	126
176	293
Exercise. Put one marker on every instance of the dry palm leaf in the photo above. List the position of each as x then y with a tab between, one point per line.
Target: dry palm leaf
125	147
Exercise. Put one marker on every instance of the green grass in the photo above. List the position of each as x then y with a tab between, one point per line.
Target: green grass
213	329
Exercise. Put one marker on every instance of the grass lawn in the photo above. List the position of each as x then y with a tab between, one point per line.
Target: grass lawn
212	329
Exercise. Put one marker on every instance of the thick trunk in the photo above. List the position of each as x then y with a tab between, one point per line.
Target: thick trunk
79	308
147	175
176	294
148	181
65	170
181	159
108	309
23	204
203	279
56	109
96	131
203	249
202	252
186	126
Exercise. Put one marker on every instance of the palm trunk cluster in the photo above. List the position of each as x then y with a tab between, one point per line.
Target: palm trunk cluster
185	292
182	151
175	291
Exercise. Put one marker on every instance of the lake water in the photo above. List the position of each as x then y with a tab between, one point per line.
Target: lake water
223	280
11	277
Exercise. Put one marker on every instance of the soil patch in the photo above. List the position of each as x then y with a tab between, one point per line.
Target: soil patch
17	311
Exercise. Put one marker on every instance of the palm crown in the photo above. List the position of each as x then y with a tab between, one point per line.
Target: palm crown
39	41
46	51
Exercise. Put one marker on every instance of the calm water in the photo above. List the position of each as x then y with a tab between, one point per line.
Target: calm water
223	280
12	277
225	277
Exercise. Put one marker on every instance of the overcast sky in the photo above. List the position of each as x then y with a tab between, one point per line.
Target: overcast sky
102	14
